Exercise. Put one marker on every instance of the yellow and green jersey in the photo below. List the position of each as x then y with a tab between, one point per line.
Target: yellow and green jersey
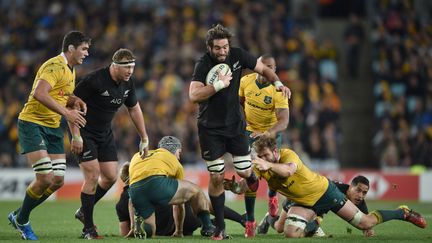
158	162
62	80
260	104
304	187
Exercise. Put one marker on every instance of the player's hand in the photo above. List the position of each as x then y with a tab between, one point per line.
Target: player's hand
130	234
259	134
261	164
81	105
76	117
225	79
369	233
178	234
286	92
232	185
76	144
143	147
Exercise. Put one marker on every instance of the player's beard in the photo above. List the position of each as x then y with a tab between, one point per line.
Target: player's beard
216	58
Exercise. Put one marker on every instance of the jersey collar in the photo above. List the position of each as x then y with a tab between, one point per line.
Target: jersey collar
260	85
64	57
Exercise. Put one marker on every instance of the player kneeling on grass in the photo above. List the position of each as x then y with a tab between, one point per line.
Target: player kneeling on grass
356	192
165	224
313	194
158	180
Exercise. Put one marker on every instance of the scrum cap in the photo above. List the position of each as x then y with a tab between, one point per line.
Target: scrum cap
170	143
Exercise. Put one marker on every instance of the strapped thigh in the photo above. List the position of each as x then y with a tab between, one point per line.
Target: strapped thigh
59	167
43	166
216	166
242	163
296	220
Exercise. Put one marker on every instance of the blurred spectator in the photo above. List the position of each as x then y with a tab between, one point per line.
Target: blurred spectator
354	37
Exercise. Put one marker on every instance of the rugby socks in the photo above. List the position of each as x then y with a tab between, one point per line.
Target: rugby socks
232	215
30	202
250	205
252	182
45	196
100	192
204	217
218	203
271	193
311	228
87	205
386	215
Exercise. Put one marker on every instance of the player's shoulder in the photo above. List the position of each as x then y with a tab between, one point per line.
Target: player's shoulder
249	78
56	63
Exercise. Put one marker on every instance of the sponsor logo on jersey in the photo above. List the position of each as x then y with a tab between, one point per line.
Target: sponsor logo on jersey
116	101
105	93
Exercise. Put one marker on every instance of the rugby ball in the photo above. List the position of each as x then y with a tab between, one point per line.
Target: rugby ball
213	74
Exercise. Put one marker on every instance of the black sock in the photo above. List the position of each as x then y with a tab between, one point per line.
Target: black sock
87	205
100	192
218	204
232	215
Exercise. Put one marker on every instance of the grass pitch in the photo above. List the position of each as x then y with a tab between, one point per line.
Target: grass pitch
54	222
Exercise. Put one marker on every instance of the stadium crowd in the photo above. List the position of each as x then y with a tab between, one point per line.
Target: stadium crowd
166	37
402	73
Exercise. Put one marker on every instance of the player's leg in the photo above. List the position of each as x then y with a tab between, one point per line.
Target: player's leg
362	221
33	142
297	218
189	192
212	151
122	211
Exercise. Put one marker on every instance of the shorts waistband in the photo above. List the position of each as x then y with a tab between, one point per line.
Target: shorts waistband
145	180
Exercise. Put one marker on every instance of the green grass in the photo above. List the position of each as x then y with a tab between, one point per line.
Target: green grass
54	222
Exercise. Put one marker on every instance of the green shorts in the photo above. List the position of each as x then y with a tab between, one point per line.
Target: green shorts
150	192
278	138
333	199
34	137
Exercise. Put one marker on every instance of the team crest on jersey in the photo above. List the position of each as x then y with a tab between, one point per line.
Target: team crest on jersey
267	99
236	66
126	93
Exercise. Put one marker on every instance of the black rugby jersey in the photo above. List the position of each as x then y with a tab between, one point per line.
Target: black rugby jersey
344	188
223	110
103	97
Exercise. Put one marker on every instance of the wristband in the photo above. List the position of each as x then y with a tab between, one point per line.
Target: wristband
143	144
278	84
77	138
218	85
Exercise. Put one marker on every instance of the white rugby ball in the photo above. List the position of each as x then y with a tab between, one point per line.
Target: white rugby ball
213	74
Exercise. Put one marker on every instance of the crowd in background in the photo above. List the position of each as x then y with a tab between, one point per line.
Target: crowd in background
402	72
167	37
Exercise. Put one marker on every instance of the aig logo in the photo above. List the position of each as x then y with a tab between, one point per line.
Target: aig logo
116	101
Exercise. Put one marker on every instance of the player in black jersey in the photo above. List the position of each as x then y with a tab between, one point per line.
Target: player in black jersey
221	125
104	91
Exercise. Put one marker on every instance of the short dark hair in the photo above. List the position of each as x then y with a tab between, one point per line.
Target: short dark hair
123	53
360	179
216	33
74	38
264	142
266	56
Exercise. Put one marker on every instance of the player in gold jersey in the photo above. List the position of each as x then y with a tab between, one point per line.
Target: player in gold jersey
39	133
267	113
313	194
158	180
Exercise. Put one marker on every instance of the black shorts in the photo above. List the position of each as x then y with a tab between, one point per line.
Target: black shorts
214	145
100	147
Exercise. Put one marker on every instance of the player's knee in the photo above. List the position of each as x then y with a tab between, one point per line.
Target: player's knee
242	165
216	166
57	182
279	226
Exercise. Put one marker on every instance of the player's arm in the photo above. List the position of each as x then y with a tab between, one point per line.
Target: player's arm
131	219
269	74
137	118
281	169
199	92
282	115
76	140
179	216
41	94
